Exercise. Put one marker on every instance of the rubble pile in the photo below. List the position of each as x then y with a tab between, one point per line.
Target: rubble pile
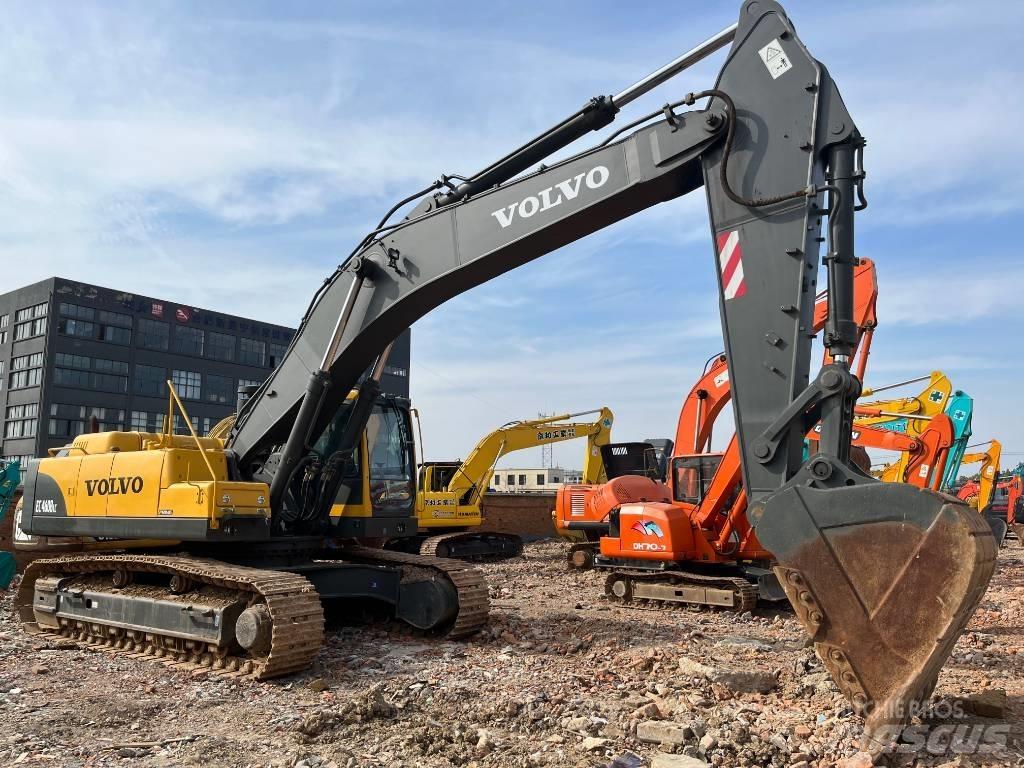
560	678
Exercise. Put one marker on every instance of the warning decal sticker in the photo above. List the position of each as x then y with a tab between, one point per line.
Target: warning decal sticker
775	59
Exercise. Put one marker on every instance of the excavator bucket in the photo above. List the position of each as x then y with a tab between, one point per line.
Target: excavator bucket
884	577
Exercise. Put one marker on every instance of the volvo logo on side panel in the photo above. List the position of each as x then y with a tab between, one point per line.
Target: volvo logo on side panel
114	486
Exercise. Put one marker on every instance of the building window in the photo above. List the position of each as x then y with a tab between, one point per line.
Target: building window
4	320
30	322
207	425
66	427
556	480
72	327
21	420
252	352
221	346
522	479
219	389
147	421
180	428
110	366
153	334
511	480
276	354
249	383
68	377
65	360
115	334
77	312
391	370
26	370
3	337
74	420
115	318
108	382
73	371
540	479
188	340
497	480
187	384
150	380
30	329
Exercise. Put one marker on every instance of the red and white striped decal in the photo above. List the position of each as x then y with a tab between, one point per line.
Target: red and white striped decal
730	261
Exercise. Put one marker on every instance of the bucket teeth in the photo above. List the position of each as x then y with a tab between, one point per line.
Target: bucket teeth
884	578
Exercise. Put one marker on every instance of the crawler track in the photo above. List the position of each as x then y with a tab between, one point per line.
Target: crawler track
293	603
626	586
468	581
481	546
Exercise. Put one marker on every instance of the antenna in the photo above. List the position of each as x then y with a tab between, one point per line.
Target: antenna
547	452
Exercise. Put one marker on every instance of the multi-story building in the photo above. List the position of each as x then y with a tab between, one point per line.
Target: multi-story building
75	356
532	480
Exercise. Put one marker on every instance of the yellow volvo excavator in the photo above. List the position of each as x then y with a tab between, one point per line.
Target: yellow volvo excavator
883	576
449	494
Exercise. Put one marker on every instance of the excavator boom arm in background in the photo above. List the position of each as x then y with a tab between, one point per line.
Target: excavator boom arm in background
472	474
883	576
989	474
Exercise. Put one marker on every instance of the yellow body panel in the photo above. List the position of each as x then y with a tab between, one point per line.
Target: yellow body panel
145	475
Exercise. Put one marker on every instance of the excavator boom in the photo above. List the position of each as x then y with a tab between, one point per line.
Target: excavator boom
470	477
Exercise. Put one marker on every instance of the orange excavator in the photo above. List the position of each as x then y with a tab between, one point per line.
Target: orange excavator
1008	501
586	510
984	493
923	458
709	555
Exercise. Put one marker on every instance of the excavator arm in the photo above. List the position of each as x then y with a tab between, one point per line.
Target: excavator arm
884	577
989	460
931	400
470	478
960	410
926	455
712	393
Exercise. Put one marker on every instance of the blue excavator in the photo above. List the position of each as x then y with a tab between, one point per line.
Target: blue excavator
10	478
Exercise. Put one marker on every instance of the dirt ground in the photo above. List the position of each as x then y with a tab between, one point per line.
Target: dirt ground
562	678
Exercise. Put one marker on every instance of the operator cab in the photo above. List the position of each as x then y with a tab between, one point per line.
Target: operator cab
692	476
647	459
386	450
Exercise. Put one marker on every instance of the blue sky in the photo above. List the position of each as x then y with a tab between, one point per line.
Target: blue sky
230	154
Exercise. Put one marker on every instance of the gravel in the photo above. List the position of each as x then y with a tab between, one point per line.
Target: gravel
560	678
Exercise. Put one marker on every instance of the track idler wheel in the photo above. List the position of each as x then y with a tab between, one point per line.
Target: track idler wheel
619	588
581	556
884	577
254	628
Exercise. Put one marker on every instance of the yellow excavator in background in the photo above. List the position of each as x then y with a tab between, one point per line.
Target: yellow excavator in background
449	495
908	415
929	402
979	493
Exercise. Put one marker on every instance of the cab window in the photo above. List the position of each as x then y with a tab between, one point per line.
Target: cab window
692	476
